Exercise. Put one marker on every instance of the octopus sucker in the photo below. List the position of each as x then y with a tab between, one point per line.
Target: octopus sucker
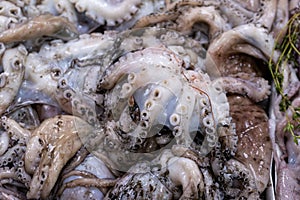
11	11
12	154
11	79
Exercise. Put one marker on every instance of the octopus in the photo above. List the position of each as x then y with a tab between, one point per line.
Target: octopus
154	99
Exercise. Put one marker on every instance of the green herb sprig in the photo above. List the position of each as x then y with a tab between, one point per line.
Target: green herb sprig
287	48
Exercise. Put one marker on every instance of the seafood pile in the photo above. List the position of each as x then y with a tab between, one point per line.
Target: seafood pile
153	99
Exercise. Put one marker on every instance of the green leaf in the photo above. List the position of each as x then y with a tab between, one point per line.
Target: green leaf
296	140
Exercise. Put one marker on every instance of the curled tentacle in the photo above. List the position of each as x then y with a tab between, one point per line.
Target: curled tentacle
208	15
12	77
189	178
110	12
248	39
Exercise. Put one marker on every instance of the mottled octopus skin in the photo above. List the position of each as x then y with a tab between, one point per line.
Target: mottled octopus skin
168	173
254	149
49	149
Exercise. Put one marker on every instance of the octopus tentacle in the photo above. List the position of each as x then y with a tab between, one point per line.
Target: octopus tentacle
229	140
212	190
10	194
15	131
238	182
256	89
208	15
190	179
235	12
93	170
155	18
266	18
217	161
25	115
177	4
114	72
4	142
45	25
12	155
191	51
67	10
8	173
6	22
9	9
88	182
12	77
109	11
248	39
64	141
83	174
254	148
80	155
23	176
281	20
74	102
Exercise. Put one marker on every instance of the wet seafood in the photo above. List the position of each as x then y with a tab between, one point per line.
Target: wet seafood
11	78
159	99
45	25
